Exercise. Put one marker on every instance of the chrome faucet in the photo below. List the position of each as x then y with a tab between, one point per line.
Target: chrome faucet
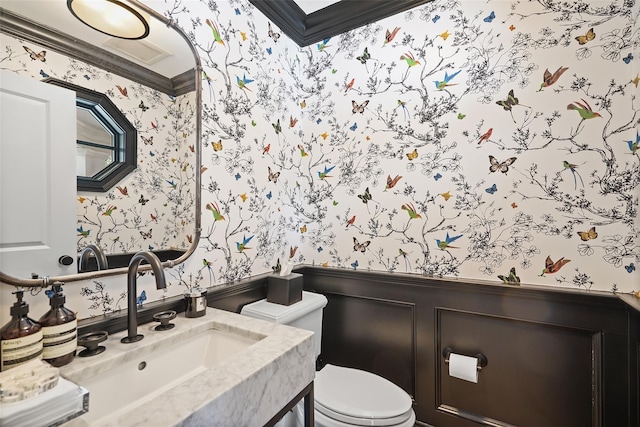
101	259
132	307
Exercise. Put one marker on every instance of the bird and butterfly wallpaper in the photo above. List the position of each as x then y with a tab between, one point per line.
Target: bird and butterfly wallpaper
493	141
153	207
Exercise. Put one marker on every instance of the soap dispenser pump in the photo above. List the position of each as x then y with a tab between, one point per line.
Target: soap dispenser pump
21	337
59	329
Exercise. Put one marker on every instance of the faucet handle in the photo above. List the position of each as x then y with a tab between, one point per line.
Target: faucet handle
164	317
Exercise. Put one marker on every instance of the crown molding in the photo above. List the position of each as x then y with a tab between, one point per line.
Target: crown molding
335	19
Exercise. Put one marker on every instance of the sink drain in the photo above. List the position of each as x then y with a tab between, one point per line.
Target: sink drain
142	365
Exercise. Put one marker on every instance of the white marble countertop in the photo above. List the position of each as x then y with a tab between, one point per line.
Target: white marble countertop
245	390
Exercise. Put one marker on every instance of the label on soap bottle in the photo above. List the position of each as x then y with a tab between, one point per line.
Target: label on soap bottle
59	340
14	352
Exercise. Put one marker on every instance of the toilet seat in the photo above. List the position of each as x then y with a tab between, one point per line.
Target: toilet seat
360	398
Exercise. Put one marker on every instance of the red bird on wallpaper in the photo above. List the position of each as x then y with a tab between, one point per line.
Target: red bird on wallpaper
486	136
551	267
548	79
389	36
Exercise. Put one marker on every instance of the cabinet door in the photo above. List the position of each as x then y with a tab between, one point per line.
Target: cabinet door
37	177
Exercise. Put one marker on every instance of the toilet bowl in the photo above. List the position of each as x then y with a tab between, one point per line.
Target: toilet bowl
343	396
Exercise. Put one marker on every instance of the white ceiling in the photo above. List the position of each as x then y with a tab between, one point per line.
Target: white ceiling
310	6
55	14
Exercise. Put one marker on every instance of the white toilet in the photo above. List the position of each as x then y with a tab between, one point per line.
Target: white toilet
342	396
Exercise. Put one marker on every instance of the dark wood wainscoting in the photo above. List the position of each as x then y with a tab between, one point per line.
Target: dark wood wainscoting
556	357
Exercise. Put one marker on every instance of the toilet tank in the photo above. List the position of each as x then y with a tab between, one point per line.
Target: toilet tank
305	314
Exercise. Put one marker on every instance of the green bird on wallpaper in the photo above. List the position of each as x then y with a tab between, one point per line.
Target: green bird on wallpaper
324	44
217	216
440	85
82	232
413	214
242	246
584	110
242	83
216	32
109	210
446	243
572	168
324	174
411	61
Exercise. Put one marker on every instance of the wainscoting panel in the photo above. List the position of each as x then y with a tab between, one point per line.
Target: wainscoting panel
536	375
375	335
556	357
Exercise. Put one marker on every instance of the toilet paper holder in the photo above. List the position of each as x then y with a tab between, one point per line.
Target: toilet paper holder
482	359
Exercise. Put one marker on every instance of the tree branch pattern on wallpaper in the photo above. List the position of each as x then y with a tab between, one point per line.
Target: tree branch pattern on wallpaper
153	207
491	140
508	126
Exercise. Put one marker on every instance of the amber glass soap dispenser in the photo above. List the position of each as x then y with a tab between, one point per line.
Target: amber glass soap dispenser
59	329
20	338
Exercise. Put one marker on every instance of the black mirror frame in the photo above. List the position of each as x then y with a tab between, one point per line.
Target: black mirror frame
126	147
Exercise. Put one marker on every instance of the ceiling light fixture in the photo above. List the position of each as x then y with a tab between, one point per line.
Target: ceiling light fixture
111	17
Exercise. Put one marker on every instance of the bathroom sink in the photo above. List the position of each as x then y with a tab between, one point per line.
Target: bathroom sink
132	383
212	370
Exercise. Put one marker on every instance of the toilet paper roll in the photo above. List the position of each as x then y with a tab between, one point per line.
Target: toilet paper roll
463	367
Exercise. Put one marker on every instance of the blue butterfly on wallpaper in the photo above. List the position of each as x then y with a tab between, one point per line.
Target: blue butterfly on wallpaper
86	76
319	121
238	176
491	17
354	127
628	58
152	154
355	264
237	11
142	298
437	176
269	51
269	195
151	248
492	189
320	249
435	18
43	74
630	268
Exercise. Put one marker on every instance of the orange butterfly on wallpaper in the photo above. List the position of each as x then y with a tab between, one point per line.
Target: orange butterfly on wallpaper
413	155
587	37
123	190
588	235
217	146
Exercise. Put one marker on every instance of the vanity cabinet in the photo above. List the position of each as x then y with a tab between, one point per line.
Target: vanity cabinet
555	357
